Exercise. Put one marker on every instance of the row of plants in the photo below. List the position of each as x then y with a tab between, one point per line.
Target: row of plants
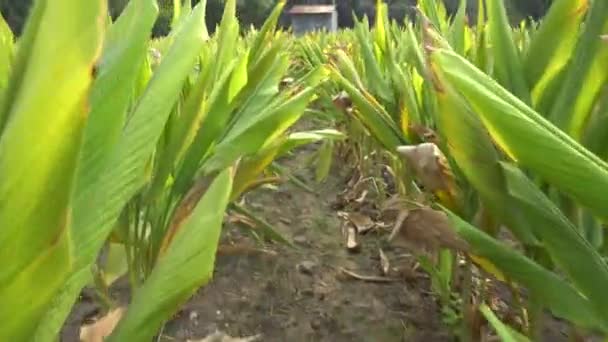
120	155
517	116
139	155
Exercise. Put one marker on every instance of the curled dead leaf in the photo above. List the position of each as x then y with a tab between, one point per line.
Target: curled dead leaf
362	223
98	331
427	228
430	166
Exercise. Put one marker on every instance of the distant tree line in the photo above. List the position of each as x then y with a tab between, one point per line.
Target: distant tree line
254	12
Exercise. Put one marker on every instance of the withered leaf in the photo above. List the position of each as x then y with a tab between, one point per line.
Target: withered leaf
362	222
427	228
430	166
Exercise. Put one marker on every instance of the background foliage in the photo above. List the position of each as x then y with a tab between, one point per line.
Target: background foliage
255	12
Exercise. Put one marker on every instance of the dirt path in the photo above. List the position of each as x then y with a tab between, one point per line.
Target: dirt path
300	294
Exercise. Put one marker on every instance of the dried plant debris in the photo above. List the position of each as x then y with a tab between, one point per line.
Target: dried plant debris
430	166
219	336
426	228
373	279
351	239
102	328
362	223
385	264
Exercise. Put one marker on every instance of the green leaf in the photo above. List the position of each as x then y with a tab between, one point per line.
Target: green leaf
187	265
100	204
472	149
507	62
561	298
567	247
527	137
123	56
325	156
564	113
6	61
248	139
45	118
552	44
458	29
506	333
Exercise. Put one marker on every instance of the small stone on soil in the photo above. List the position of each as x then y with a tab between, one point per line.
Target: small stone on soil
306	267
300	239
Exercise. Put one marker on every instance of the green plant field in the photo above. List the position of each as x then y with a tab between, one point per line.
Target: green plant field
488	141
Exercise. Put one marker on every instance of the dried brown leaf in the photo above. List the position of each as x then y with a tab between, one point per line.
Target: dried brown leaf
427	228
385	264
98	331
430	166
362	223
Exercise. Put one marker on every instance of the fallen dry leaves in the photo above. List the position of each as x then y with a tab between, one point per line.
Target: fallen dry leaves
427	228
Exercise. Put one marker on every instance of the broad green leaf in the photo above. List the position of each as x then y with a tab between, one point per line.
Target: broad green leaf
596	134
372	115
112	93
177	12
472	149
325	156
227	38
181	270
46	114
507	62
102	202
6	61
553	43
193	112
458	29
430	10
376	82
506	333
266	33
567	247
115	263
595	80
526	136
561	298
213	122
246	140
123	176
564	112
